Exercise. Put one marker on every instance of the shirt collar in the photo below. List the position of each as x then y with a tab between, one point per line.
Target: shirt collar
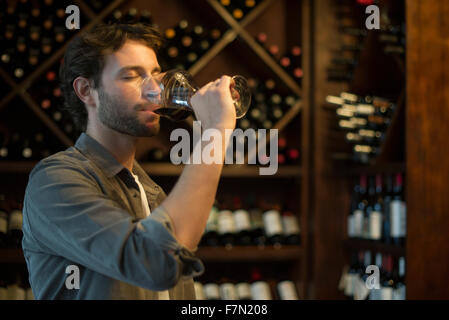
93	150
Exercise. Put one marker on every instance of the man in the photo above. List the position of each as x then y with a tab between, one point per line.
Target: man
91	208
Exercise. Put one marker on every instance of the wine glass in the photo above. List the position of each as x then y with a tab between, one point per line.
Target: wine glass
173	89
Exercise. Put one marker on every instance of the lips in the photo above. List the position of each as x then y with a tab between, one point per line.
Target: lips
147	107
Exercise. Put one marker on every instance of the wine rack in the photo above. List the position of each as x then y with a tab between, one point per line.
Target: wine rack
234	30
369	71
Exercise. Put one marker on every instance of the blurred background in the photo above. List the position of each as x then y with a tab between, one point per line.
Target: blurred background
361	178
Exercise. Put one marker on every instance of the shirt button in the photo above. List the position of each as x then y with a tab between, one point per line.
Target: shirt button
135	195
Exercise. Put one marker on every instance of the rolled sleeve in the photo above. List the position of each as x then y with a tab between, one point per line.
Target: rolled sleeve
68	215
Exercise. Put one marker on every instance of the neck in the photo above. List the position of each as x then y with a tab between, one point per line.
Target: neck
120	145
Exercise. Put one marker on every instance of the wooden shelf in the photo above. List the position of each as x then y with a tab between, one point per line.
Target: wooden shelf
394	167
168	169
232	171
361	244
207	254
252	253
16	166
11	255
258	49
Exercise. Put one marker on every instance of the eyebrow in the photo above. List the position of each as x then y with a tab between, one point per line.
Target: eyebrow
137	68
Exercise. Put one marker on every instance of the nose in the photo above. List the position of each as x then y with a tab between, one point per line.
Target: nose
151	90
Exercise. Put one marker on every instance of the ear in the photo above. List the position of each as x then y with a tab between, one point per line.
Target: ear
84	90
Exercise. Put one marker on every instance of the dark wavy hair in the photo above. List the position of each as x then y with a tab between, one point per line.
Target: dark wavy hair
84	57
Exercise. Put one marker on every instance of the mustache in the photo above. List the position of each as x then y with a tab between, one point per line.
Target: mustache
146	106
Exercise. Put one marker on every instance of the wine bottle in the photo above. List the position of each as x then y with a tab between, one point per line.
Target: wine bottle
116	17
212	291
273	50
200	40
351	229
199	291
226	228
262	39
290	226
260	290
397	215
335	75
243	227
46	45
350	278
214	35
387	284
273	227
368	209
243	291
3	222
15	288
282	147
399	291
156	154
376	215
3	283
361	207
362	290
386	223
363	153
210	237
287	290
29	292
243	287
228	290
131	16
15	227
3	145
257	227
375	294
146	17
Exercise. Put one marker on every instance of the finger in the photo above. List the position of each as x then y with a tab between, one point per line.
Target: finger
225	82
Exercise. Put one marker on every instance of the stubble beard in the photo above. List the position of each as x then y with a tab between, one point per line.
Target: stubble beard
113	113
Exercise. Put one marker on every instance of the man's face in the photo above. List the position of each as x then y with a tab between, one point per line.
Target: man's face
121	105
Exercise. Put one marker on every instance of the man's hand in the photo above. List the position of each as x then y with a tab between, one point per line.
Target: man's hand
213	105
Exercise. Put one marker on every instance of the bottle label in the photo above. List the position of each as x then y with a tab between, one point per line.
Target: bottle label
3	294
290	225
399	292
243	290
351	226
361	291
260	290
401	266
15	220
272	222
349	284
287	290
242	221
256	219
3	222
358	223
403	219
375	294
212	221
199	291
212	291
386	293
228	292
366	227
375	225
15	292
226	222
395	218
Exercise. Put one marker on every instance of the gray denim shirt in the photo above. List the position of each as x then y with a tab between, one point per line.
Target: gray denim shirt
83	208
